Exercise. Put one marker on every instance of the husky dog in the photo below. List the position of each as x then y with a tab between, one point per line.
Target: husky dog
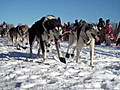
86	34
17	34
46	29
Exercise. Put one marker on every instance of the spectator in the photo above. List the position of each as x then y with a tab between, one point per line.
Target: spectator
101	28
4	26
68	28
64	27
64	30
108	33
76	23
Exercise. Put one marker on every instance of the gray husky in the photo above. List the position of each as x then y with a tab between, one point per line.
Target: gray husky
85	34
18	34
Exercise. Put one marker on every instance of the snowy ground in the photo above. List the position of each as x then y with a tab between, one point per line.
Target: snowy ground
20	72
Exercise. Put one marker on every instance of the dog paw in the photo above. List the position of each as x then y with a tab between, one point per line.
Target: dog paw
24	47
26	43
18	49
72	55
67	55
78	61
91	65
48	51
62	60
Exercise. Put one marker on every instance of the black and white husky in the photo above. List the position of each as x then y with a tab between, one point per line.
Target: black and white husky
86	34
46	29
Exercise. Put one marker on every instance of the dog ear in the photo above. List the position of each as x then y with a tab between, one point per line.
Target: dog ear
88	27
59	19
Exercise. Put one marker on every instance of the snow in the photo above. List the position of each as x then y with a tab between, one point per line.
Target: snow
20	72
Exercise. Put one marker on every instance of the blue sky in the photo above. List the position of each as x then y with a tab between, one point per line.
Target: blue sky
29	11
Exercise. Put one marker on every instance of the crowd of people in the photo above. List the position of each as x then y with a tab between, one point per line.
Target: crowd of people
106	31
68	27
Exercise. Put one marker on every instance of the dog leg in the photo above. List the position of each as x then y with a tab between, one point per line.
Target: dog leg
68	50
47	46
78	47
27	39
13	41
78	53
59	52
92	52
17	43
31	42
71	42
31	54
23	43
72	55
39	52
42	45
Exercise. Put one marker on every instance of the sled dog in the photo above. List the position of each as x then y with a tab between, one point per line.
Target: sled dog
18	34
86	34
46	29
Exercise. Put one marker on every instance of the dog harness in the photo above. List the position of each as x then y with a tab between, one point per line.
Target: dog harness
84	36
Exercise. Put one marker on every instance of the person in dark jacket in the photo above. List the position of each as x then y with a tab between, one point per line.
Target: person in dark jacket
101	28
68	28
76	23
4	26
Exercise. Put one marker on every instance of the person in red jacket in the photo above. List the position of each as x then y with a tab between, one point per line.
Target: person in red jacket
108	34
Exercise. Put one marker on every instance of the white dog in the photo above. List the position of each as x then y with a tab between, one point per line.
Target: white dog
84	35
